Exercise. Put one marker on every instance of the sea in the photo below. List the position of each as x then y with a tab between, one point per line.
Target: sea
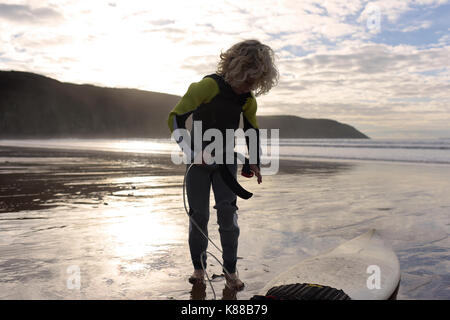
425	151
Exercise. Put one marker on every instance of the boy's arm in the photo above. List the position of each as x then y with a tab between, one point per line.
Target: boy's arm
197	93
250	122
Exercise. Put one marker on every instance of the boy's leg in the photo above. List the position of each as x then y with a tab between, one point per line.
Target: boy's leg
198	184
226	218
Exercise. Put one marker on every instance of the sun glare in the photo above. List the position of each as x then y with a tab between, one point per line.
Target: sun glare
146	146
138	234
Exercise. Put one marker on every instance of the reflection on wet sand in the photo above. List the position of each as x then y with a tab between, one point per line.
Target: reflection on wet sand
119	219
36	179
324	168
198	292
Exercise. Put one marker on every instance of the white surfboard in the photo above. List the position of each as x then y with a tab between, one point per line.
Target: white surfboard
365	268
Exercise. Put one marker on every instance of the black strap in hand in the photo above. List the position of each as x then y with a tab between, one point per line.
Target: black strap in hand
232	183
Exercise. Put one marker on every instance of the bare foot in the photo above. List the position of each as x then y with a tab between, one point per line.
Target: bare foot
197	277
234	282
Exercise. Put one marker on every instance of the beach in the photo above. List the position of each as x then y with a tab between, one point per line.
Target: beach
89	224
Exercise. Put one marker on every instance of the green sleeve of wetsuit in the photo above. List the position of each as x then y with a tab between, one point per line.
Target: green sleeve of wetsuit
250	122
197	93
249	112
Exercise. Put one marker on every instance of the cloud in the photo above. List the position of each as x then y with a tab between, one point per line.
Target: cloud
162	22
363	83
333	60
26	14
417	26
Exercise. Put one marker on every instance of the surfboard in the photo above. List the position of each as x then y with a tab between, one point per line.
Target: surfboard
365	268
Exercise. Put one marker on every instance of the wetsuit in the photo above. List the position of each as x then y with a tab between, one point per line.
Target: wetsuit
213	102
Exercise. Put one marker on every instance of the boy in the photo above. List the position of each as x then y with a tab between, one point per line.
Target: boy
245	70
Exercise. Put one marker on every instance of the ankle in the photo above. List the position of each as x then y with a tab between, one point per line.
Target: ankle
199	272
232	275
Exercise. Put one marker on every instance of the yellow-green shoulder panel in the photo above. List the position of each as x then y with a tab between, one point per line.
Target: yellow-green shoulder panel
197	93
249	111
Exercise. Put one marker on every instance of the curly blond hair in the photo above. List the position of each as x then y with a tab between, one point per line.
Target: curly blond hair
249	61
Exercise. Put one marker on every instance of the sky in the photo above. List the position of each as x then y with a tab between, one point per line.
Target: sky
380	66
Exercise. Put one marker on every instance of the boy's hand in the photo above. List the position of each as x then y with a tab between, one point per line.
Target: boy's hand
255	170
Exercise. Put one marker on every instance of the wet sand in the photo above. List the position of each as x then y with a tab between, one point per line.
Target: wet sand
109	225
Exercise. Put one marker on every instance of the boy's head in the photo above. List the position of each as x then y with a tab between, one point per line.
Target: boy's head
249	66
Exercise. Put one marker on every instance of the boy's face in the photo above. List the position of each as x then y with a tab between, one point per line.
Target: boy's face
245	87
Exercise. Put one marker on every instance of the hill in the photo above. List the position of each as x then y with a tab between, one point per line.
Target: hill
32	105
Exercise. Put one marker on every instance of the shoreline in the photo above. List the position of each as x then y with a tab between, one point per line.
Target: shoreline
164	156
